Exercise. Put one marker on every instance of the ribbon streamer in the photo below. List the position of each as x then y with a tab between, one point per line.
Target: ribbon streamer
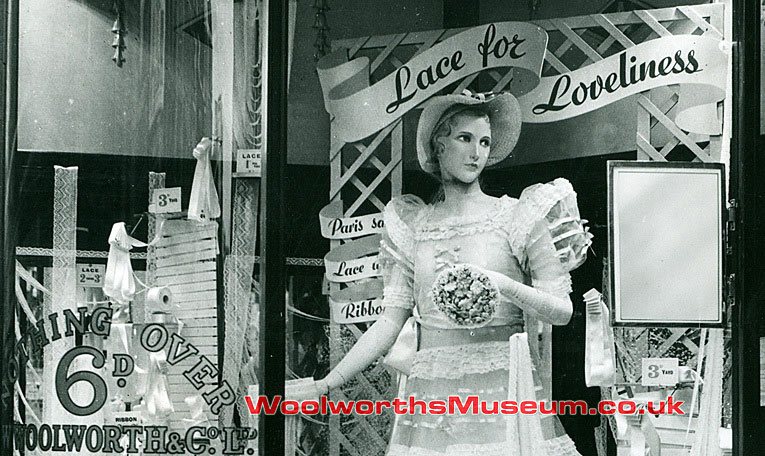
197	411
359	302
29	279
158	401
525	430
203	201
404	349
119	283
599	353
305	315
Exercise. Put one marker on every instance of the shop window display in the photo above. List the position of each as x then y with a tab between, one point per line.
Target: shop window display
446	227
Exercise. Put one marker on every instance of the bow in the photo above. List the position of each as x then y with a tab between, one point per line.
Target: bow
203	201
401	354
119	284
481	96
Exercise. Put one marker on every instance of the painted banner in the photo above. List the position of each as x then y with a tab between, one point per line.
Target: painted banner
359	110
354	260
697	63
335	226
357	303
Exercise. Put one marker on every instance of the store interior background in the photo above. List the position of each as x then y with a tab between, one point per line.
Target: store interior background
76	107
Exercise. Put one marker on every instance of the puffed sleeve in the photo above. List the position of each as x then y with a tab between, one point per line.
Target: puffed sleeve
555	240
397	250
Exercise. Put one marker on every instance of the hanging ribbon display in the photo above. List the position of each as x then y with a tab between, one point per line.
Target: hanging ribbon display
599	352
119	283
158	402
203	201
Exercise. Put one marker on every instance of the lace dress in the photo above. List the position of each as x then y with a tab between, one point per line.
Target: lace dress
536	239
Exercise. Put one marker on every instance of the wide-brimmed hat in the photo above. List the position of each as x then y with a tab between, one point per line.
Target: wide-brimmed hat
504	116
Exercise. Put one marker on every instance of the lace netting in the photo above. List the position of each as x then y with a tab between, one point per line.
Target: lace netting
399	297
400	217
559	446
487	449
555	206
447	228
456	361
562	446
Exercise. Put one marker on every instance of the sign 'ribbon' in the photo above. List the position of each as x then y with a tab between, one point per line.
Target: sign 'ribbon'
359	109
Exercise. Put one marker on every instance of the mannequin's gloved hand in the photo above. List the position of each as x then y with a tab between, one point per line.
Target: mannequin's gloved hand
305	389
540	304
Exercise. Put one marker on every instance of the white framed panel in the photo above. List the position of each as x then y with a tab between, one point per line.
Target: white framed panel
666	243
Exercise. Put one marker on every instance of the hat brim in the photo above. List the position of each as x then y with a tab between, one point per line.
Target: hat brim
504	117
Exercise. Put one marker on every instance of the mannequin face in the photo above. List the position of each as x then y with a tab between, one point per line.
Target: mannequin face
465	149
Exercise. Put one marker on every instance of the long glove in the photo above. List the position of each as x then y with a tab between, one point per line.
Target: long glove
539	304
371	345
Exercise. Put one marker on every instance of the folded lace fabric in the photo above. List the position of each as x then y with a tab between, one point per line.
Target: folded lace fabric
203	200
599	354
523	431
635	434
555	203
119	283
401	354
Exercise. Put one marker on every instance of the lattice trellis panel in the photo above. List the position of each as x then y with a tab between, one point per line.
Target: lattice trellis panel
365	174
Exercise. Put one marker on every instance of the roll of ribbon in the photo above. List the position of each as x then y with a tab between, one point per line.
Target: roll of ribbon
159	298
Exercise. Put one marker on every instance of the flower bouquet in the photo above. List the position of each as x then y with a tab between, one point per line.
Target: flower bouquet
466	295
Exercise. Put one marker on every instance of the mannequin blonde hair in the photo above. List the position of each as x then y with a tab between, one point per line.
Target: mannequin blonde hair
444	128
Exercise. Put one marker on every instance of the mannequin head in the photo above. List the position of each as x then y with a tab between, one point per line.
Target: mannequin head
461	144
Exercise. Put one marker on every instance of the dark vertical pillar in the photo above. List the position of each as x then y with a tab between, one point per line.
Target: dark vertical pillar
748	187
10	34
272	271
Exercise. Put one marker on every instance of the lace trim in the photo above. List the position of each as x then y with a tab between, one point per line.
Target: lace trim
398	232
397	213
534	204
398	293
402	300
448	232
438	424
456	361
487	449
542	197
559	446
501	389
562	446
445	422
558	287
493	220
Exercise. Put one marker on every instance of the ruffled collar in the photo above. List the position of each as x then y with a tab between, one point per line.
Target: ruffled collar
499	208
